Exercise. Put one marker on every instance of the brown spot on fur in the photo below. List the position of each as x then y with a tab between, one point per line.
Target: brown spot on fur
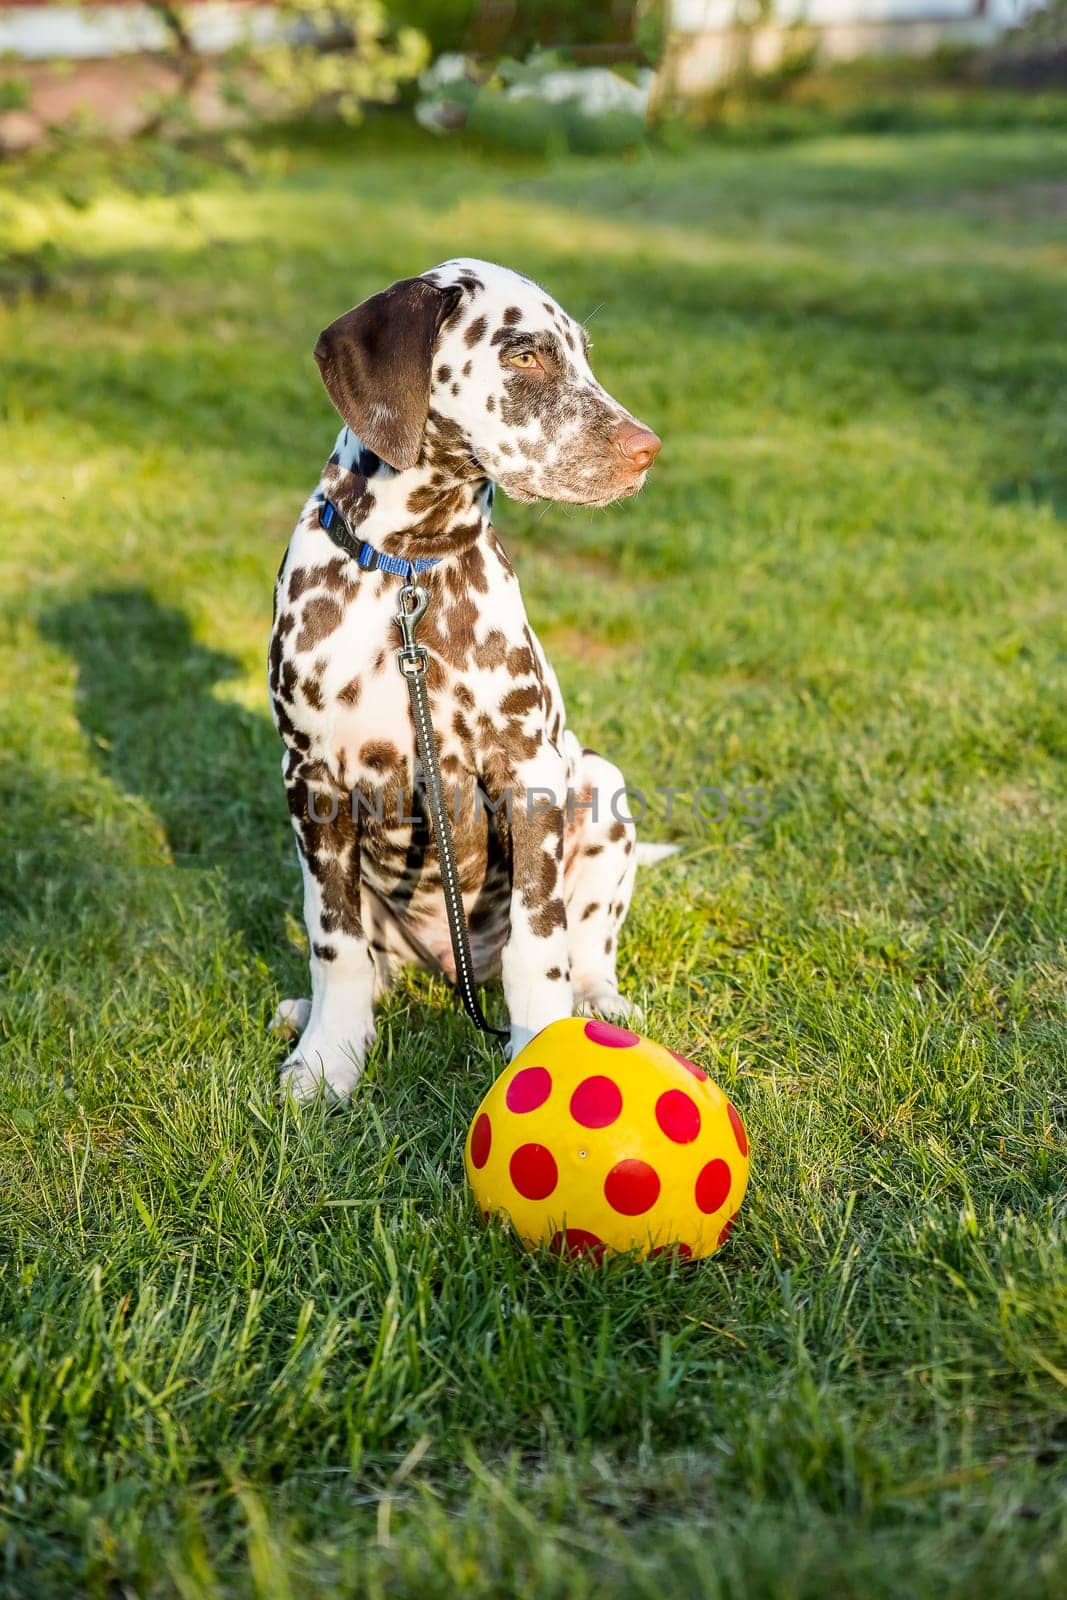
476	331
322	616
287	728
512	316
350	493
590	910
494	652
518	701
329	844
379	755
335	574
349	695
551	917
533	449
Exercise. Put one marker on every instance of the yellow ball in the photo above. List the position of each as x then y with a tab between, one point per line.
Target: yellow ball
596	1139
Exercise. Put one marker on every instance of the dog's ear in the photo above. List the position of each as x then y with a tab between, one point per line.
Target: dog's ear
377	361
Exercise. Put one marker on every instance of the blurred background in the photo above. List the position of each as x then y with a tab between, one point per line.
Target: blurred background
549	74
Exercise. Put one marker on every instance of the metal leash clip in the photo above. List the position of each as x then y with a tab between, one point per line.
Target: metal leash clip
411	657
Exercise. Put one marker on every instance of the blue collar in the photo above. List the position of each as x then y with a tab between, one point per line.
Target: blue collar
364	554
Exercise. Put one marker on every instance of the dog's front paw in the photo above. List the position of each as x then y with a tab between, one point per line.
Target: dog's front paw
520	1033
518	1039
291	1018
320	1065
598	1000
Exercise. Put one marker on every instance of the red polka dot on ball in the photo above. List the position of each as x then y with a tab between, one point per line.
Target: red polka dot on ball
596	1103
632	1187
677	1116
533	1171
712	1186
690	1066
739	1129
481	1141
576	1242
528	1089
727	1228
608	1034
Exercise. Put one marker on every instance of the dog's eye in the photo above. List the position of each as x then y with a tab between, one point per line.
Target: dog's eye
524	359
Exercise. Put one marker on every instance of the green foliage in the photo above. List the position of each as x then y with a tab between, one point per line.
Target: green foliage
250	1354
1033	54
14	92
446	24
342	54
334	57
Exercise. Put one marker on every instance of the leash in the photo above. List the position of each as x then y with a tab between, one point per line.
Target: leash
411	658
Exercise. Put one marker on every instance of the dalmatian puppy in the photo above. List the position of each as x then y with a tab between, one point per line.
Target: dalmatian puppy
468	376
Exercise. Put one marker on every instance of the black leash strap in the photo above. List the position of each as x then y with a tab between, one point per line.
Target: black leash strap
411	659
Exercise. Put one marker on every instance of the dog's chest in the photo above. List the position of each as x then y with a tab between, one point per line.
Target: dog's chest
336	683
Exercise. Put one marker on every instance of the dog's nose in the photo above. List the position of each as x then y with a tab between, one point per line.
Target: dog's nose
639	445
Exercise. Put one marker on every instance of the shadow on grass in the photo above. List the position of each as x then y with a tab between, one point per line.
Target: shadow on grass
208	769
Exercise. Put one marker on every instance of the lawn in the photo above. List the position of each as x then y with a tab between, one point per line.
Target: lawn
245	1351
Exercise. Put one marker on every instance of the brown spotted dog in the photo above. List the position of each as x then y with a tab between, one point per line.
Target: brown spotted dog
447	382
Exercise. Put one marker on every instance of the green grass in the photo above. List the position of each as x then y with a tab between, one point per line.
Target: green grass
246	1352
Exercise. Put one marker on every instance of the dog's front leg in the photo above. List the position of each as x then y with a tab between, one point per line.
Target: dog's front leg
340	1027
534	964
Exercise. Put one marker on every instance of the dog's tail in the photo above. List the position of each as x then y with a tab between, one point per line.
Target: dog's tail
648	855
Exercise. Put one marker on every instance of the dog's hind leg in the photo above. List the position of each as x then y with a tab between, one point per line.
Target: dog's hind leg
599	862
291	1018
